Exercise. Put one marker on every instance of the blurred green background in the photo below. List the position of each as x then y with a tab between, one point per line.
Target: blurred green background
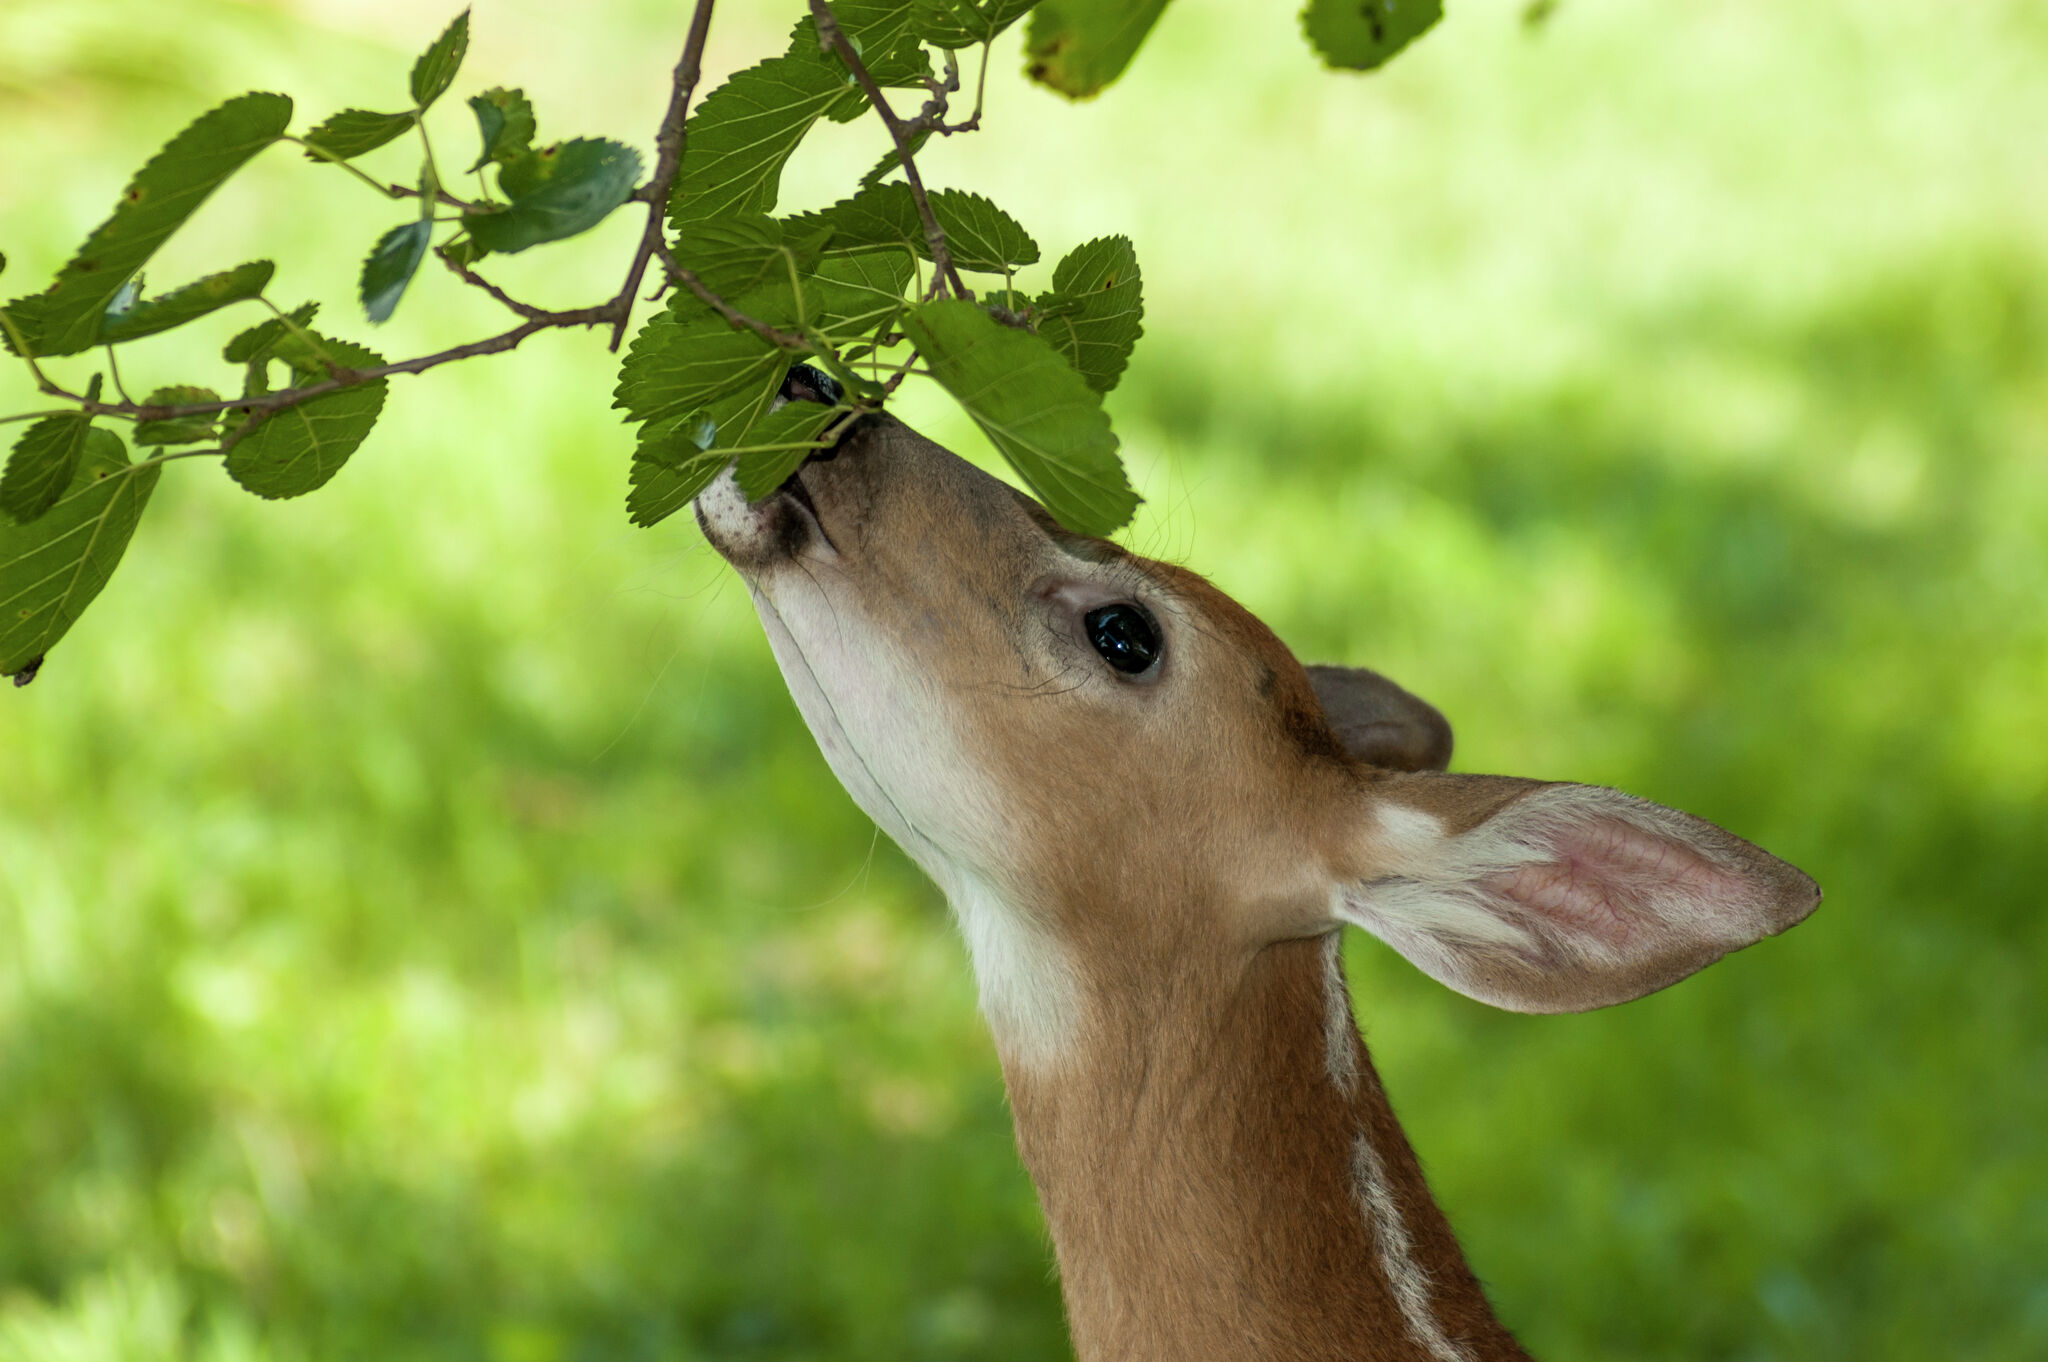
427	930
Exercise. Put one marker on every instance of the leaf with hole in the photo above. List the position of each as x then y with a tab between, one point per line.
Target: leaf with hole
744	132
1359	35
179	430
1095	311
1078	47
391	265
435	70
505	121
195	300
555	193
1033	406
299	449
355	132
979	235
65	318
51	570
41	465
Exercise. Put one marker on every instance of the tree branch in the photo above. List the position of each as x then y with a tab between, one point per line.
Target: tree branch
689	280
831	38
668	156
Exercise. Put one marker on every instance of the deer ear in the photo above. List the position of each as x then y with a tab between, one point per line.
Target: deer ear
1559	898
1379	723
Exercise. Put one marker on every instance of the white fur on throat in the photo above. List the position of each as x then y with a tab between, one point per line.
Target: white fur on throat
1029	991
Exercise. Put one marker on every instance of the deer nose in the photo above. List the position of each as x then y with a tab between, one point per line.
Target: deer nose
804	383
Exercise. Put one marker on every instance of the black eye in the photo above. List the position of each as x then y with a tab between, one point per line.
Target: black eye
1125	636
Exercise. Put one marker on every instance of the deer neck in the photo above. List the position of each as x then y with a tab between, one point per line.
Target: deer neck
1224	1178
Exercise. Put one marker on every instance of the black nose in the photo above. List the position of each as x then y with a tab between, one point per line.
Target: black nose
806	384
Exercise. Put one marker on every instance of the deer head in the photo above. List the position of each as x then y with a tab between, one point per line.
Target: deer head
1151	822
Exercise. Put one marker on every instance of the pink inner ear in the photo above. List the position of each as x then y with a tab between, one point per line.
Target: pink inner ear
1616	883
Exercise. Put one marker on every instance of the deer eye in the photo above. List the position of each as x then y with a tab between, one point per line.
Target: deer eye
1125	636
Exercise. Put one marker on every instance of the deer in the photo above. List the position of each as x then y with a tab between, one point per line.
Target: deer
1152	824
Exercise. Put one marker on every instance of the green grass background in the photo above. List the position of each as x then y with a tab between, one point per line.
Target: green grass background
427	931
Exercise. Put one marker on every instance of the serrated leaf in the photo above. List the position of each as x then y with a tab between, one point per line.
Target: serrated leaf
505	121
733	255
179	430
744	132
884	214
1095	311
963	23
881	33
257	341
680	363
779	443
557	192
435	70
679	455
1359	35
41	465
297	450
665	477
189	303
979	235
51	570
390	266
1035	408
65	318
353	132
892	162
1080	46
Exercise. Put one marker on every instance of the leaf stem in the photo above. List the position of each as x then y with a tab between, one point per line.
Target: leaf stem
831	38
389	191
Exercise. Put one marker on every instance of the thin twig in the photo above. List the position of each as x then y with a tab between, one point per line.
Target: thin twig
469	276
389	191
831	38
689	280
668	155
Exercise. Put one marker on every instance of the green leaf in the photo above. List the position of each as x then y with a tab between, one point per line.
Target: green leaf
505	120
680	363
882	34
731	256
979	235
41	465
189	303
352	132
1079	46
51	570
744	132
65	319
1035	408
963	23
1096	308
665	479
390	266
557	192
763	466
297	450
1359	35
179	430
678	456
891	162
884	214
435	71
257	341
